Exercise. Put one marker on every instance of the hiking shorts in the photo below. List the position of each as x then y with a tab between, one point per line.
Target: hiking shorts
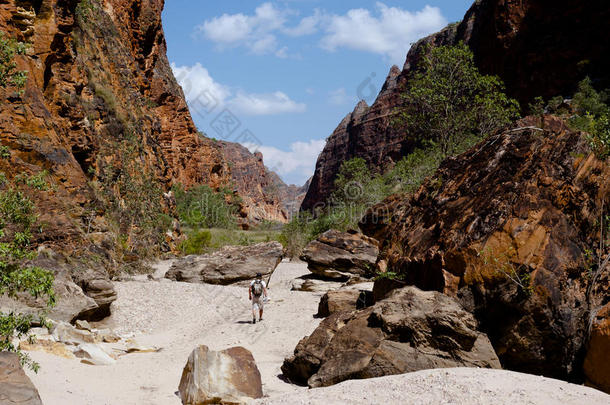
258	302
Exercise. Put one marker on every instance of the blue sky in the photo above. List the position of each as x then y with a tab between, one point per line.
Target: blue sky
279	76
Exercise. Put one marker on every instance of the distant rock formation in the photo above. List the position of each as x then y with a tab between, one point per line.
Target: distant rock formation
409	331
538	47
255	184
506	227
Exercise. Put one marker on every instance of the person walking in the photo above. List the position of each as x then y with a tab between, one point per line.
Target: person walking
257	294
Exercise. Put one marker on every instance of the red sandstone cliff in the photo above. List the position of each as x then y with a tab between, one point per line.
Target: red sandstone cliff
538	47
98	75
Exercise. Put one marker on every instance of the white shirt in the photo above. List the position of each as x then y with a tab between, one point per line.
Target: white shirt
262	282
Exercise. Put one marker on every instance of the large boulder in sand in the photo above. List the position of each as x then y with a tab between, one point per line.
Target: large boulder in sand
228	376
344	299
229	265
597	364
410	330
340	255
15	386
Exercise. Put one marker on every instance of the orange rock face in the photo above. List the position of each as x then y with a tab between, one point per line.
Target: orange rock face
97	75
597	367
509	227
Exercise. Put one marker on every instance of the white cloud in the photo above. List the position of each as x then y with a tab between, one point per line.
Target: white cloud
389	34
265	104
307	26
253	31
340	97
202	91
297	163
196	81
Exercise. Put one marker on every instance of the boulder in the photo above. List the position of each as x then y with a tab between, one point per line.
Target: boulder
15	385
345	299
410	330
228	376
340	255
229	265
597	366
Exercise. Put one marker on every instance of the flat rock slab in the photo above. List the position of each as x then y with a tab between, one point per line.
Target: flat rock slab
229	265
15	385
227	377
341	255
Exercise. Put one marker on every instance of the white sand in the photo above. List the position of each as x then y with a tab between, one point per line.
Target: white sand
455	386
178	317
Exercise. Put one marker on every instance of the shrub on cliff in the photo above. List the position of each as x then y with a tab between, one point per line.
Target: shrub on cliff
9	75
593	117
449	102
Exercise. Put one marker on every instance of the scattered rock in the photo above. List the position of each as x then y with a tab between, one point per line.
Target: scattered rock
228	265
66	333
15	385
228	376
339	255
134	347
108	336
93	355
410	330
47	346
597	366
84	325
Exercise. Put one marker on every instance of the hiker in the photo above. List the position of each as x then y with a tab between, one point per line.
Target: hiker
257	294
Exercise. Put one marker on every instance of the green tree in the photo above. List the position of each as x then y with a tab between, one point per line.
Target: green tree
448	101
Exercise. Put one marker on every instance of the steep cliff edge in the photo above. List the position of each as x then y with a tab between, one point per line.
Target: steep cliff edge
537	47
98	77
511	228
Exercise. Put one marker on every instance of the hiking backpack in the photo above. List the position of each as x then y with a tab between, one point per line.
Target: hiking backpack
257	288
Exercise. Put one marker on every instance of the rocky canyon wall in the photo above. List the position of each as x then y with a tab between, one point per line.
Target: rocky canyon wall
537	47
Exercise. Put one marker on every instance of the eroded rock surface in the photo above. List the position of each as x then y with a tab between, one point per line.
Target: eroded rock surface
597	366
339	255
410	330
229	265
15	385
228	377
506	227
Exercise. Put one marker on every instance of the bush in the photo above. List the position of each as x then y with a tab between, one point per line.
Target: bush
448	101
593	117
196	242
201	207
